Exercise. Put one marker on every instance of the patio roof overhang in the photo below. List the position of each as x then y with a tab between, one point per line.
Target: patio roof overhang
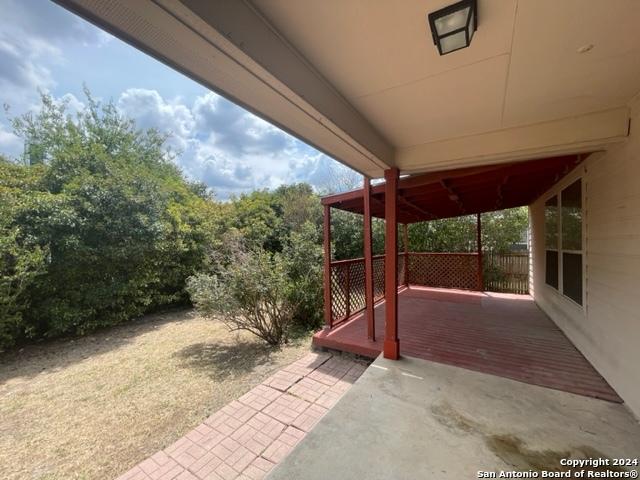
463	191
362	81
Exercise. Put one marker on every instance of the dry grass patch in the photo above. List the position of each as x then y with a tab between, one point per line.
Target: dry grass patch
93	407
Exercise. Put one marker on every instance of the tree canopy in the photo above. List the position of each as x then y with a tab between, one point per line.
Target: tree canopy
98	225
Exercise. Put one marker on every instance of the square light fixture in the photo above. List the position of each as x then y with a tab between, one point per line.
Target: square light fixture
453	27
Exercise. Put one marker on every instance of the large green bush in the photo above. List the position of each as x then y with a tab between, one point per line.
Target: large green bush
22	257
261	291
500	231
251	293
98	225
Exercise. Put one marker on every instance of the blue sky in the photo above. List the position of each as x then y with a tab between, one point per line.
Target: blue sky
42	46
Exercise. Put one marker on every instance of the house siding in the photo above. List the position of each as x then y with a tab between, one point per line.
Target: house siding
607	328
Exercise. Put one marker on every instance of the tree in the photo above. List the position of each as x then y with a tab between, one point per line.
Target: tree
117	227
277	229
503	229
447	235
303	259
21	259
500	231
339	178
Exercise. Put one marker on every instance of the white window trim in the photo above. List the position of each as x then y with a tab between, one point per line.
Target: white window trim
556	191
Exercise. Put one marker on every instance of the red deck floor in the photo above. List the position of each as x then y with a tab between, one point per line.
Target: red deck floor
500	334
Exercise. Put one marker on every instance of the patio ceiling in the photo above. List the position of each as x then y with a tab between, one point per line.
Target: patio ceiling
452	193
363	82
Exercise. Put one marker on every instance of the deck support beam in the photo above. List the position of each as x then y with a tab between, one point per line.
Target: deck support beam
479	247
368	263
327	266
391	343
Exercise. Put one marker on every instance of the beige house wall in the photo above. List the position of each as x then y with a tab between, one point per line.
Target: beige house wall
607	328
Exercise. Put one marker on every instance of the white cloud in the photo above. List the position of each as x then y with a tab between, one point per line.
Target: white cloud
224	146
10	144
41	19
21	72
73	104
150	110
33	37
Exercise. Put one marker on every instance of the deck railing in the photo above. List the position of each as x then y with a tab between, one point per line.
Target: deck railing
445	270
347	285
507	273
449	270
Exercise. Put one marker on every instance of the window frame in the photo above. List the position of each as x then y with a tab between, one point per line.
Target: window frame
557	192
556	247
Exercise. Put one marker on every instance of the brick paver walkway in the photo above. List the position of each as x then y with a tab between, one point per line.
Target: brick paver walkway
249	436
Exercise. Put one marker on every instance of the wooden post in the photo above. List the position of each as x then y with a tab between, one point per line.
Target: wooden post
405	240
391	343
479	246
327	266
368	263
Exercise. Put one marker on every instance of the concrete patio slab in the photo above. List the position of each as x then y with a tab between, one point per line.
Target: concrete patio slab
415	419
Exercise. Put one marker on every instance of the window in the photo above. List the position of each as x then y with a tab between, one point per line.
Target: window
551	241
571	202
563	242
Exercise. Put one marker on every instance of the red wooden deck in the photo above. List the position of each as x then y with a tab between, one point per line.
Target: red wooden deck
500	334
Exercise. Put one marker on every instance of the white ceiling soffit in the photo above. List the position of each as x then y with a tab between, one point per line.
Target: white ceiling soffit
522	69
550	79
211	41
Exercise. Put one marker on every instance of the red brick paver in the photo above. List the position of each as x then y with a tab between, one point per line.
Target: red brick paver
246	438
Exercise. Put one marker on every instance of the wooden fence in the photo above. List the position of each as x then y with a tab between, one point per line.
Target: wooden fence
506	272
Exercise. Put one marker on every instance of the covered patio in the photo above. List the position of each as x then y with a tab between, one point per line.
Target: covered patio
438	309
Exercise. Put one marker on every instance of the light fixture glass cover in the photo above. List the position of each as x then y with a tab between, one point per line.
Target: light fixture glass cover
452	27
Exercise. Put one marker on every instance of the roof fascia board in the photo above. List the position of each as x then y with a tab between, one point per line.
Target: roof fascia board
581	134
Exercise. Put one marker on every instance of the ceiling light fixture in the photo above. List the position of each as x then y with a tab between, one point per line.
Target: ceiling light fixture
453	27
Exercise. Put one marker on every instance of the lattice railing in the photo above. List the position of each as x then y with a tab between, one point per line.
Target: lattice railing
450	270
347	286
446	270
378	277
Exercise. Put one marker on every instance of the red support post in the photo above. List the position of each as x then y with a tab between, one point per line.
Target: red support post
327	266
479	246
405	241
368	262
391	343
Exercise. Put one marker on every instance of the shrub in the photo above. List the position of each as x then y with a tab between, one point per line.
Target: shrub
97	221
19	266
303	260
252	292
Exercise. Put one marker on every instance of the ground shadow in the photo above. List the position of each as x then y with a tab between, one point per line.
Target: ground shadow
219	360
53	355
